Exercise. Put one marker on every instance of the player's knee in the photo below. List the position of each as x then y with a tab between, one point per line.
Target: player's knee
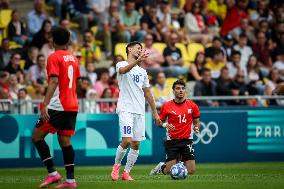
36	137
135	145
125	143
64	141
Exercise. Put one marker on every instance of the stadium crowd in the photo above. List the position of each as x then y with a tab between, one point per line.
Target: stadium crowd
220	47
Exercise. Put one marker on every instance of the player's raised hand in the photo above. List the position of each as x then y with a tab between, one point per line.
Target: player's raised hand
143	55
44	114
170	127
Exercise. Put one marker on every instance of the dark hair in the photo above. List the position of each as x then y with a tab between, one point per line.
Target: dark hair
104	92
217	51
129	1
205	70
39	56
61	36
43	25
178	82
131	44
23	89
242	35
236	53
88	31
196	57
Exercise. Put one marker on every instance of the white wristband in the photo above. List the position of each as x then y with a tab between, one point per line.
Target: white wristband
164	125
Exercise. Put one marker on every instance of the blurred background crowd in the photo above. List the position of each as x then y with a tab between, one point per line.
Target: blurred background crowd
220	47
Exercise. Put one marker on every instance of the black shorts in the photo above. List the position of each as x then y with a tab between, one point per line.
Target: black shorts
62	122
179	149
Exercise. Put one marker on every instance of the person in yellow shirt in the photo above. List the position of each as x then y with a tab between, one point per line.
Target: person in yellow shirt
161	91
218	7
216	63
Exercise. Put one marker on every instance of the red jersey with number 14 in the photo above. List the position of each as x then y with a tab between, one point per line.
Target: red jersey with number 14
65	66
181	117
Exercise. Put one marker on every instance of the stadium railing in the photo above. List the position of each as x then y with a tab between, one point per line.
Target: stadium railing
108	105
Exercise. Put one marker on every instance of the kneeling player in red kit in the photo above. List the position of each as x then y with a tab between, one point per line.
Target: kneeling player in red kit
180	113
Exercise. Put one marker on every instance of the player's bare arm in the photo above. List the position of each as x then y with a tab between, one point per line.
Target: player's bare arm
143	55
196	124
53	83
149	97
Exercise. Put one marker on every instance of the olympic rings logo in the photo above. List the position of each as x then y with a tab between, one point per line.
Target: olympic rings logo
206	132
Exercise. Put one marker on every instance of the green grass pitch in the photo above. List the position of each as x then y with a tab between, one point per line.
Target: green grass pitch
268	175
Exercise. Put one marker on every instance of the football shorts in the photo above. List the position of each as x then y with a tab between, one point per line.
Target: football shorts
179	149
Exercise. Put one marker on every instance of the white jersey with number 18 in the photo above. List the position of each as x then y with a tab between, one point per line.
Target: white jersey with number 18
131	84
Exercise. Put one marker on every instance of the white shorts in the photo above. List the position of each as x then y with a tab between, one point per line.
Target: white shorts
132	125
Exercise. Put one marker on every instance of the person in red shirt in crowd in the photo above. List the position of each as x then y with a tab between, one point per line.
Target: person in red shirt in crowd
60	108
235	13
180	113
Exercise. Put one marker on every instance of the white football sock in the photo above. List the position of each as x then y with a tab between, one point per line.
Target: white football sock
131	159
70	181
120	153
53	173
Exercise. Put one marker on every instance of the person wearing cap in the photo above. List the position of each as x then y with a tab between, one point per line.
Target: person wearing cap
228	43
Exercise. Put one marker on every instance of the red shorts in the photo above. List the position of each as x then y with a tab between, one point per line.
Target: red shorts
60	122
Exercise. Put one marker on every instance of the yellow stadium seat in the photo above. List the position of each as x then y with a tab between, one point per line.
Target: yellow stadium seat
184	52
5	17
193	49
160	47
120	49
170	81
14	45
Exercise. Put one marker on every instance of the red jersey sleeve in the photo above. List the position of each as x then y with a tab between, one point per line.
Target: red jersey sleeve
52	66
196	112
163	114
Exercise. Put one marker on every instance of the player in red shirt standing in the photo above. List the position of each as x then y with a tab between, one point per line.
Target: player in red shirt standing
59	111
180	113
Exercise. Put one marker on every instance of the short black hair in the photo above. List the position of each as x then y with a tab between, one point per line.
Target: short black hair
131	44
61	36
205	70
236	53
24	90
178	82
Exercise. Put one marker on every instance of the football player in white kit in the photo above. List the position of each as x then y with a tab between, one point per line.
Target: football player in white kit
134	88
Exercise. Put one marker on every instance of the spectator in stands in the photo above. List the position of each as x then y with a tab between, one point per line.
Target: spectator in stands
41	37
16	29
5	53
173	66
64	23
235	12
238	87
26	106
261	50
228	43
216	44
195	25
218	7
164	15
196	68
263	26
47	49
91	104
4	88
243	28
4	4
235	65
113	85
162	92
100	9
223	84
89	71
262	13
107	107
216	64
254	77
102	83
14	86
153	63
31	58
36	17
14	65
83	87
244	49
206	87
111	30
151	24
89	50
130	20
38	75
279	62
79	12
274	79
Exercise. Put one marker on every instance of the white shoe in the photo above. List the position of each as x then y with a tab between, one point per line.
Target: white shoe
157	169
